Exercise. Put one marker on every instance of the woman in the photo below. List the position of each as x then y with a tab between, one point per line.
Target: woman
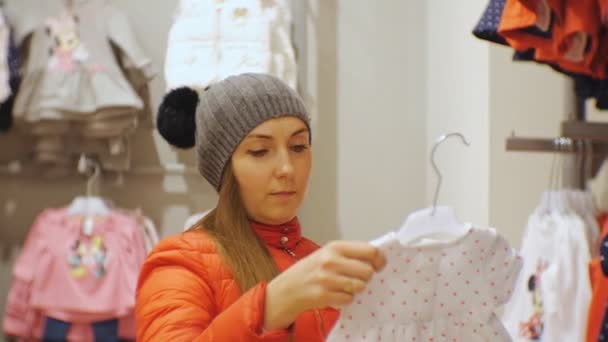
245	273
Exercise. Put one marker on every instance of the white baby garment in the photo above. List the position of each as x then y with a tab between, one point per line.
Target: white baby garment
434	291
552	294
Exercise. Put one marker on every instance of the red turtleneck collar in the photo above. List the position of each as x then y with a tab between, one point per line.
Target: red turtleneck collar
273	235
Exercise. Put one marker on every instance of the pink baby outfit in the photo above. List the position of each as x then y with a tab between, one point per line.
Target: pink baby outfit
68	275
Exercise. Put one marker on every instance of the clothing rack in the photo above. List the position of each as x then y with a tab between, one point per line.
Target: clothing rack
555	145
578	136
596	132
590	139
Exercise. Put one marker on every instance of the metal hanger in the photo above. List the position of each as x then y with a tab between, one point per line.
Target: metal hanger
93	181
439	141
434	220
91	203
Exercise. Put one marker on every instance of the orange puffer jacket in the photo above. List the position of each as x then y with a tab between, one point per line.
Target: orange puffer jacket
187	293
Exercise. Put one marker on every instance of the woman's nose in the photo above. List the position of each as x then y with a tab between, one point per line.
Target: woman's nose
285	165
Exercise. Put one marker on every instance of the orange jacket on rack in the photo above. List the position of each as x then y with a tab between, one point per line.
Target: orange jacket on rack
598	274
187	293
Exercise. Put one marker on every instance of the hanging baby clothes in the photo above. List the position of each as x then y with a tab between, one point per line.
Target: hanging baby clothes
434	290
71	71
25	323
150	234
12	63
65	275
564	33
526	26
283	60
75	96
570	36
5	87
61	151
146	226
583	204
211	40
597	325
487	27
139	81
552	294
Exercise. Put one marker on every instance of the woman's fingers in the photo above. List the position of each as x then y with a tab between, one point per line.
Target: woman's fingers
335	282
362	251
353	268
339	299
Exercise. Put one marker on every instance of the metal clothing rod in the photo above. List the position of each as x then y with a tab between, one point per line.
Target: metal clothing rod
595	131
541	145
557	145
592	152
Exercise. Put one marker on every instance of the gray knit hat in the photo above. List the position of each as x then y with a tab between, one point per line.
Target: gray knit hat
227	111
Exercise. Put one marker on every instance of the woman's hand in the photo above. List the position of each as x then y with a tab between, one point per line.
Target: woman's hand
329	277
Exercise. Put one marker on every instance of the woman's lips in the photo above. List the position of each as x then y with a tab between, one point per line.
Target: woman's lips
283	194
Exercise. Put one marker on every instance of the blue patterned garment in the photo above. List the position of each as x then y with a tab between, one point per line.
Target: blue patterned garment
14	63
487	27
603	336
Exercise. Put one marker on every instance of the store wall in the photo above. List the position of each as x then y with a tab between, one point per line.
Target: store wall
531	101
381	114
457	96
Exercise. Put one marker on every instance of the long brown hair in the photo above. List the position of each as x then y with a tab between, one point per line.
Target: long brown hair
243	251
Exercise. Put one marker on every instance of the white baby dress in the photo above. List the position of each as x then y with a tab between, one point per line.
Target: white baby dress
435	290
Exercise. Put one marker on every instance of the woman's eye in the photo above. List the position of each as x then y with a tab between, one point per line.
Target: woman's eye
299	148
258	153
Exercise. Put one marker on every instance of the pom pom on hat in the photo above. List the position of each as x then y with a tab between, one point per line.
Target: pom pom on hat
176	117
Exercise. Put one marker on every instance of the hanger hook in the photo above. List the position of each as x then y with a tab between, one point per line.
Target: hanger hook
440	140
557	145
579	163
589	161
84	164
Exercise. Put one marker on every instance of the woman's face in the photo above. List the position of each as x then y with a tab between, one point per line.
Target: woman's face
272	165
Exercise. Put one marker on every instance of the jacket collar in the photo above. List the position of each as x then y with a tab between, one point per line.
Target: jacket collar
283	235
